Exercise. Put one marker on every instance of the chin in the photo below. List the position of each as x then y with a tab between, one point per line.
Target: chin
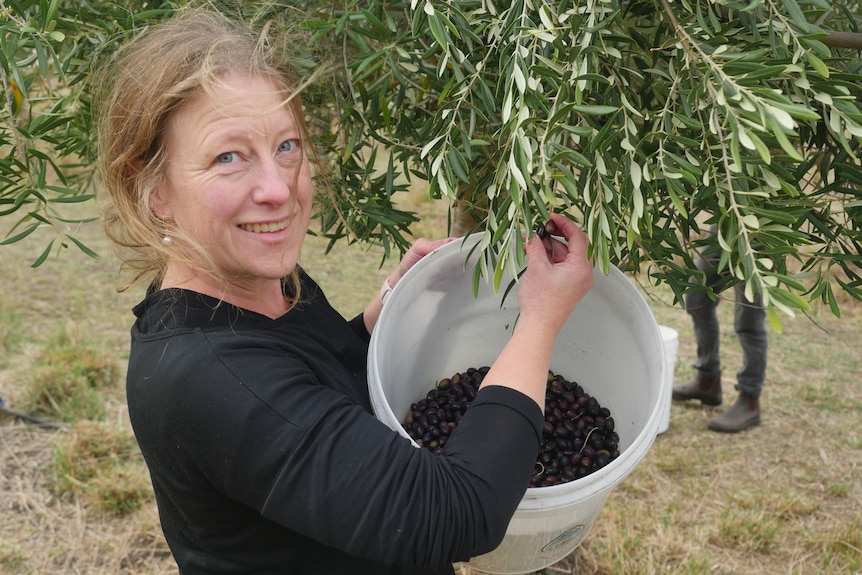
289	267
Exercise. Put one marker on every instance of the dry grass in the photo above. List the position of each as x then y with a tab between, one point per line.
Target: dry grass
43	533
782	498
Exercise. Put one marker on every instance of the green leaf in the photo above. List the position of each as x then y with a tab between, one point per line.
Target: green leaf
21	235
687	121
784	142
674	190
774	319
797	111
594	110
791	300
818	65
43	58
43	256
762	72
796	14
459	164
438	30
762	149
833	302
499	270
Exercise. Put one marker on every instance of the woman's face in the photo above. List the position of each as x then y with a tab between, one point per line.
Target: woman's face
237	179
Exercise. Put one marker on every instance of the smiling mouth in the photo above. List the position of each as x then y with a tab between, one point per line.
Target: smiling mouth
265	228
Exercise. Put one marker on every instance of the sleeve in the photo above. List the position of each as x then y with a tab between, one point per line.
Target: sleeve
306	457
357	325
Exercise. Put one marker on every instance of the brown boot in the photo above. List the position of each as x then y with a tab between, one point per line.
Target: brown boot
743	414
706	388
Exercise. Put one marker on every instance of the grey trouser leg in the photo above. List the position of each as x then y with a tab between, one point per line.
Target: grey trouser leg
750	326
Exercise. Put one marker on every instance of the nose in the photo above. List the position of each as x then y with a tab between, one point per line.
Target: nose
272	183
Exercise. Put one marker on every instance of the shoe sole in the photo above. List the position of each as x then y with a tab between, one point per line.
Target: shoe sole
733	429
704	400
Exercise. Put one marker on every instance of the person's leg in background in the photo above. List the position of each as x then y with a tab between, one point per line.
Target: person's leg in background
706	384
750	326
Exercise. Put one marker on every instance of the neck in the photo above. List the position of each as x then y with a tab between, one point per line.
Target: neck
263	296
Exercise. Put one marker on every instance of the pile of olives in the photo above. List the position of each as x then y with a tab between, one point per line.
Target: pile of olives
578	434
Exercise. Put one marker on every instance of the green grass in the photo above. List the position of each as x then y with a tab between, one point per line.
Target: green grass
9	329
102	463
68	380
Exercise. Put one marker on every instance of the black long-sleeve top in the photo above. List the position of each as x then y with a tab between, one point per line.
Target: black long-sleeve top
265	456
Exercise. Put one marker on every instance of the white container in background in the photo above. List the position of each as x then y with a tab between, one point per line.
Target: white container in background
433	326
670	340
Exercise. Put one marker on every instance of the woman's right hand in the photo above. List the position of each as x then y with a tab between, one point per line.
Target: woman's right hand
557	278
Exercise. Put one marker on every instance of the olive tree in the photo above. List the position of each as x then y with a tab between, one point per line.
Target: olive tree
647	121
47	53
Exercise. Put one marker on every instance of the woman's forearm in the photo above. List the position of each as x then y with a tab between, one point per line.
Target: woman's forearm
523	364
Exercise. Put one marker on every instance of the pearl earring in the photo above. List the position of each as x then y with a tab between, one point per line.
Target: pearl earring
167	240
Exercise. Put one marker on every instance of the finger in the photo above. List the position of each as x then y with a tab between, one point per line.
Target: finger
537	250
565	226
420	248
575	237
558	251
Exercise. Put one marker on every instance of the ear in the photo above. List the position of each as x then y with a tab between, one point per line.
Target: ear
156	199
158	204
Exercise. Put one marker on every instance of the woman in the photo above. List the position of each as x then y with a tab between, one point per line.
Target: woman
247	391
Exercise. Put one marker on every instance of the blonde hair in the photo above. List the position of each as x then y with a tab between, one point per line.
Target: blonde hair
145	83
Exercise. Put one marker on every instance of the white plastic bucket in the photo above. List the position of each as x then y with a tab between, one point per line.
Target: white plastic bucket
433	326
670	340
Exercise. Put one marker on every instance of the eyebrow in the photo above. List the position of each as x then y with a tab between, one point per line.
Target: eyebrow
220	137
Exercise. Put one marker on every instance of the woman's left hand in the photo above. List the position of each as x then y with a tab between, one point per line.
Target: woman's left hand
420	248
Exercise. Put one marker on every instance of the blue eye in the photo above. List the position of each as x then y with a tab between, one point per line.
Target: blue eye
226	158
288	145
